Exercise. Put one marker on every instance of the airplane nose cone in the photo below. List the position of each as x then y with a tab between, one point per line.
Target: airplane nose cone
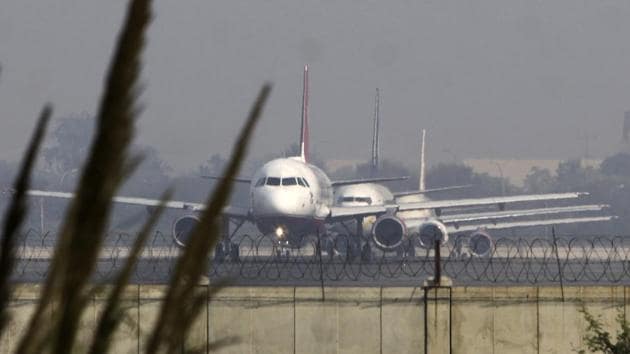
278	203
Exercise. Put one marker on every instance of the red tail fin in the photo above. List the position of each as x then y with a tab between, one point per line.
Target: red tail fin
304	133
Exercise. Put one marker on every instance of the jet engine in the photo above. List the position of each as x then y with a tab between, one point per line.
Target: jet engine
182	228
480	243
430	231
389	232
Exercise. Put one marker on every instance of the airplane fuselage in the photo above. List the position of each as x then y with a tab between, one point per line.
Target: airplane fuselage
366	194
289	198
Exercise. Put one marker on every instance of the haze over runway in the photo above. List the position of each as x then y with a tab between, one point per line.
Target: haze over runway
487	78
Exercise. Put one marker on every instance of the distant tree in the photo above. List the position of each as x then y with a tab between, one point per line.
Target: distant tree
191	185
449	174
213	166
616	165
483	184
387	168
486	185
539	180
7	173
345	172
152	175
292	150
65	157
572	176
71	141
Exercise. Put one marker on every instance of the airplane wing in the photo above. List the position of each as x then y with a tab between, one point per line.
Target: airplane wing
499	201
527	223
367	180
340	213
235	179
494	216
232	211
431	190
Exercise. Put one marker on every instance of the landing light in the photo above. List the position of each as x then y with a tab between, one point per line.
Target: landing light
280	232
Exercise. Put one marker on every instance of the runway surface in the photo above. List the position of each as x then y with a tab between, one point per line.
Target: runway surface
303	271
602	260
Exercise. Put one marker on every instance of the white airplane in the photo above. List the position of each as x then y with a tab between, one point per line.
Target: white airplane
291	198
475	225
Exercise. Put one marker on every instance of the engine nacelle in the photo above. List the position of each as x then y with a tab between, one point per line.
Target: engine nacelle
389	232
182	229
480	243
430	231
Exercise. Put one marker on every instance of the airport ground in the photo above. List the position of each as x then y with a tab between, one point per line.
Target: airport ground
513	301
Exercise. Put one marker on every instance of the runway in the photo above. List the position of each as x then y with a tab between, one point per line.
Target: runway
603	260
309	271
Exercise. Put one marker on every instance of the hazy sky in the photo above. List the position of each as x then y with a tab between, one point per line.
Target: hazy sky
496	78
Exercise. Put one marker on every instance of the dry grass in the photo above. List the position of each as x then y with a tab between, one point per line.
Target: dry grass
55	322
15	215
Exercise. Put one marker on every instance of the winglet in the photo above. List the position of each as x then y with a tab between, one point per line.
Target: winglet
304	130
423	170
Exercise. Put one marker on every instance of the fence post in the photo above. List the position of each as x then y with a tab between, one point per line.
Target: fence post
439	302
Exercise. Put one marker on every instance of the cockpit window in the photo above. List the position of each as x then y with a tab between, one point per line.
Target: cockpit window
301	182
273	181
290	181
260	182
305	182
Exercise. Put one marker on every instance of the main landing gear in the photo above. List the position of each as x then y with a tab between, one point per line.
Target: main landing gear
226	250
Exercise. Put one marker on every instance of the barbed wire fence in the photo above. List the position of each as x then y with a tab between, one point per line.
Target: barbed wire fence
583	260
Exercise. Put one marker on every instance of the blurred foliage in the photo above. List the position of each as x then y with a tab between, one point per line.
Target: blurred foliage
539	180
104	165
597	339
616	165
71	139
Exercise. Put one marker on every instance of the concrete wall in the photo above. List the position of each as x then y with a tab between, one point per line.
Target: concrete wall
359	320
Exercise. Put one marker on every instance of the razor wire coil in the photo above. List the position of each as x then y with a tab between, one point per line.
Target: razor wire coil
257	260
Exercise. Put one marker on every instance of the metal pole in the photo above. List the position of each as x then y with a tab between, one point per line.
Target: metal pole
426	320
555	247
502	178
438	265
321	265
41	216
